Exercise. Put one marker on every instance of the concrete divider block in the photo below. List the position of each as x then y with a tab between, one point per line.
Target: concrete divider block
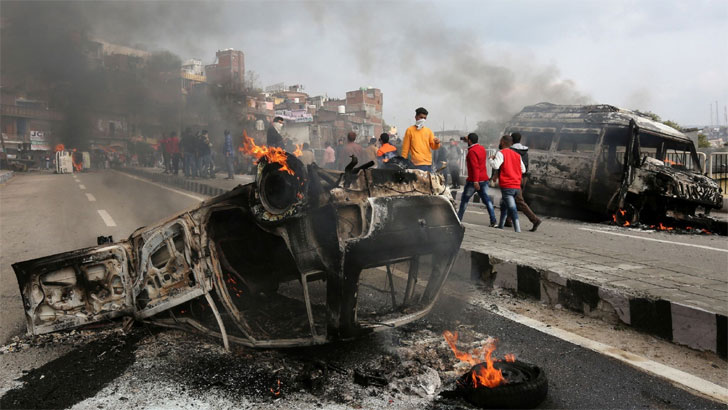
618	302
506	275
693	327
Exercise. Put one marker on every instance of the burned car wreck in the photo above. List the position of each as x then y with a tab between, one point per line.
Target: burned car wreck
612	162
301	256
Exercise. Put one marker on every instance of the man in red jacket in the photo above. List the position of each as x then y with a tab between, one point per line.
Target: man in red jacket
477	178
511	169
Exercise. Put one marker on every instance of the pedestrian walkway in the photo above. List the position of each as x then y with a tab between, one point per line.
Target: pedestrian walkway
678	302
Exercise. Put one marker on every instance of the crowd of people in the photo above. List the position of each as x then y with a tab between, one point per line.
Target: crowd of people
419	149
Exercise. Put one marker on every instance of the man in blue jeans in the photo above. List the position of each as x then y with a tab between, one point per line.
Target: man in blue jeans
477	178
511	169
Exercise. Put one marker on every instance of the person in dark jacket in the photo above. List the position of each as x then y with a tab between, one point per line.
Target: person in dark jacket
521	204
477	178
227	151
454	152
189	147
274	138
204	151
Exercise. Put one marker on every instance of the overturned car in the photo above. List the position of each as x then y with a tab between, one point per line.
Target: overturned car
612	162
301	256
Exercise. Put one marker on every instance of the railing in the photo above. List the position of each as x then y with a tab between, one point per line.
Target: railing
718	169
686	160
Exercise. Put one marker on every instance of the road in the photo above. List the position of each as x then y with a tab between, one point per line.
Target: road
41	214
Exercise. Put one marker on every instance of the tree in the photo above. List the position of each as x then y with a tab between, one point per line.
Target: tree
252	81
703	141
489	131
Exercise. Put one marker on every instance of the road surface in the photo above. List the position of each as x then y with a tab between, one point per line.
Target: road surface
41	214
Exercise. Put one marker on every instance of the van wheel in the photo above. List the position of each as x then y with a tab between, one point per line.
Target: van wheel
627	216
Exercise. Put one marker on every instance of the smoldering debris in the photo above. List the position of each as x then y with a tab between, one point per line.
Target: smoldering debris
408	366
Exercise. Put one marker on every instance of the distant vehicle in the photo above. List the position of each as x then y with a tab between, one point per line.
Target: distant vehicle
611	161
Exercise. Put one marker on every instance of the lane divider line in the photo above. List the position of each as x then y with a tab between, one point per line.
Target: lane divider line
674	376
82	186
91	198
656	240
108	220
199	198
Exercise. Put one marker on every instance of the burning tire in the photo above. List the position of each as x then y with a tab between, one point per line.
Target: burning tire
526	387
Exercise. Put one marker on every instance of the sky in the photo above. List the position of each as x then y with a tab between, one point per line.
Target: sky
465	61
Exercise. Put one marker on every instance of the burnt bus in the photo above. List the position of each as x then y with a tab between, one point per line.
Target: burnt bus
609	161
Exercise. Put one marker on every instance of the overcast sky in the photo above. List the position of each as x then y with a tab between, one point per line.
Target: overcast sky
477	60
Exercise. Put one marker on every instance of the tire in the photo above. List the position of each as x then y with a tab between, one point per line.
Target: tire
528	391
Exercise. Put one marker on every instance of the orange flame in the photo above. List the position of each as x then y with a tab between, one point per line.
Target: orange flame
271	154
298	152
277	391
484	376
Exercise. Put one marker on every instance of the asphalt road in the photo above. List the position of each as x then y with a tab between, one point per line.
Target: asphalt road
41	214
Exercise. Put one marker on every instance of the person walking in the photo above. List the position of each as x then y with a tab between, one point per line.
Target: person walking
227	151
477	180
339	149
174	152
521	204
189	147
166	155
419	141
511	169
454	153
329	156
204	149
371	151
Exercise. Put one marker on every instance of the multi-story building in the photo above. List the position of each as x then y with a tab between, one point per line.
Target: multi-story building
228	70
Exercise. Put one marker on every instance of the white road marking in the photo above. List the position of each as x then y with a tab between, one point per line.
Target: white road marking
675	376
91	198
108	220
199	198
656	240
82	186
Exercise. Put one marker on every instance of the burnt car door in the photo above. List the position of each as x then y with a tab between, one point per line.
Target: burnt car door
90	285
76	288
169	269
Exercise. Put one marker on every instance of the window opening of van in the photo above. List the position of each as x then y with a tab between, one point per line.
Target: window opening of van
578	142
537	140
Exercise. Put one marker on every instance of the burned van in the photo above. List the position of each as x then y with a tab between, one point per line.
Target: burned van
611	161
302	256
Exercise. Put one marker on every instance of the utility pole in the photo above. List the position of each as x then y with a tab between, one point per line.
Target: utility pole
717	115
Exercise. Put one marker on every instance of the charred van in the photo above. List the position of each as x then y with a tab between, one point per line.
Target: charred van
611	161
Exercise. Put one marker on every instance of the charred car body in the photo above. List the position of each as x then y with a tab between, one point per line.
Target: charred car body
302	256
611	161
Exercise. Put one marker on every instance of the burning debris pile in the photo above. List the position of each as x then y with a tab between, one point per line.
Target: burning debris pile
700	225
492	383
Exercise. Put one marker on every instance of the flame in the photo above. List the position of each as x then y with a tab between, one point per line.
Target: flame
623	213
271	154
510	357
298	152
78	166
484	376
277	391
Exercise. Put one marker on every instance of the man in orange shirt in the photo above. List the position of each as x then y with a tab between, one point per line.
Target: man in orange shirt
419	141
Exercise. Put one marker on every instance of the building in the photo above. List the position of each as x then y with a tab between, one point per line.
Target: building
228	70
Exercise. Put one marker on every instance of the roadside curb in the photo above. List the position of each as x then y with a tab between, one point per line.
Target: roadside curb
5	176
179	182
679	323
686	325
